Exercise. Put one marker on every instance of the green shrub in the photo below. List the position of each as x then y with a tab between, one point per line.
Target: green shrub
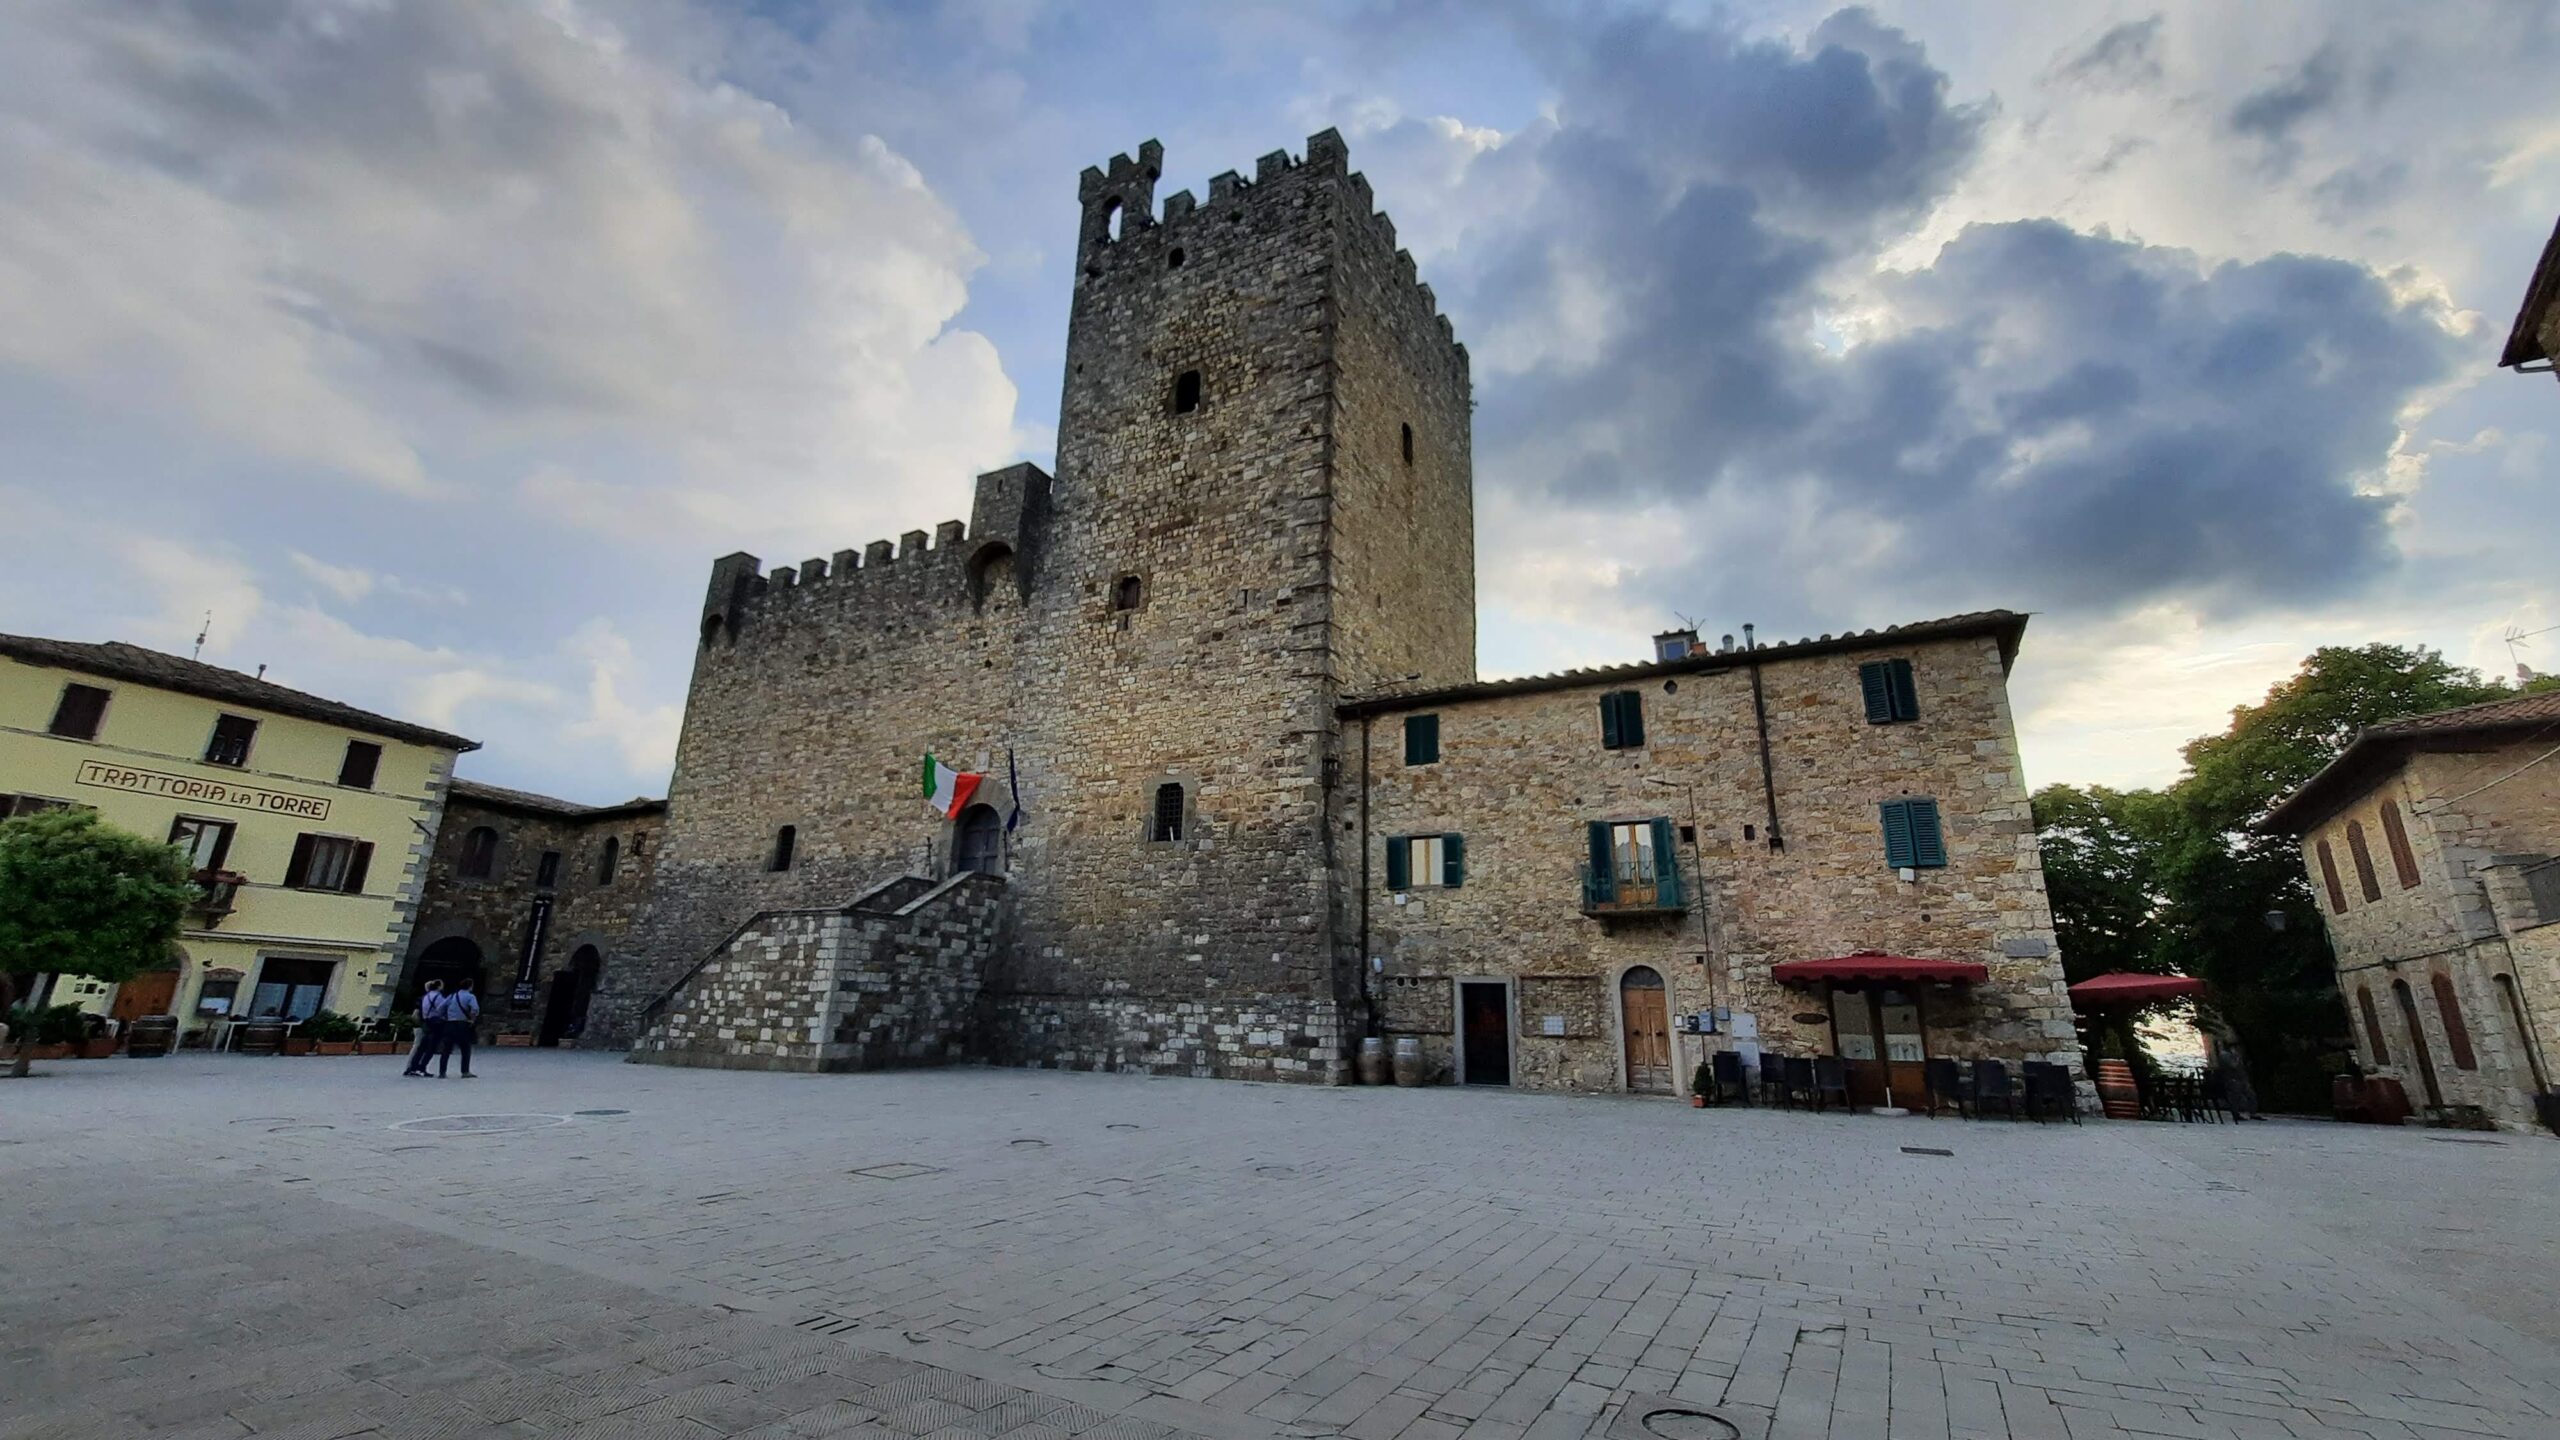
53	1025
329	1025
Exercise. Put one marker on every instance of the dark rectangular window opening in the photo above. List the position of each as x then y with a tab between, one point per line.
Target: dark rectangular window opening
334	863
363	762
1166	823
1621	720
206	843
1887	688
784	841
546	874
1408	444
230	743
77	717
1421	739
1186	392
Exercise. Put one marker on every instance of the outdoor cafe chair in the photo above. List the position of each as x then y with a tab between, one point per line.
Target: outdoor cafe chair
1947	1087
1799	1079
1730	1080
1991	1086
1830	1079
1773	1079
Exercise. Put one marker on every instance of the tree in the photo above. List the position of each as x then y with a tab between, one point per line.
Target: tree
79	897
2101	870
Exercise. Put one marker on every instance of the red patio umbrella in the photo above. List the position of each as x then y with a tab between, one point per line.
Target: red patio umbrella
1877	965
2122	988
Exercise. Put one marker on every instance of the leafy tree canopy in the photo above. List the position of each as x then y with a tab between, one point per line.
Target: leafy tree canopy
80	897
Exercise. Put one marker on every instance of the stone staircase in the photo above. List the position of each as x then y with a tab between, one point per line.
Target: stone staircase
890	979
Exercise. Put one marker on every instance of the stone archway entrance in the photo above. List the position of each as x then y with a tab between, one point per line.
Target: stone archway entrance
979	845
1644	1011
572	989
449	960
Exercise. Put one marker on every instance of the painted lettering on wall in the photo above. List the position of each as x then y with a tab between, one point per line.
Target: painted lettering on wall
202	792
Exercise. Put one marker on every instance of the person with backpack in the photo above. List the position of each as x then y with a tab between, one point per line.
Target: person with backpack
461	1027
430	1030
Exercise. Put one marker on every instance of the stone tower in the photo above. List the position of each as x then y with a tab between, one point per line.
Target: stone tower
1263	502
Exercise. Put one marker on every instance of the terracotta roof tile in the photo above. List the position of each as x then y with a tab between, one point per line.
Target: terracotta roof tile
116	660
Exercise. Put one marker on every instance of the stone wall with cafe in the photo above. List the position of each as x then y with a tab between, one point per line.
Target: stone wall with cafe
1591	881
533	898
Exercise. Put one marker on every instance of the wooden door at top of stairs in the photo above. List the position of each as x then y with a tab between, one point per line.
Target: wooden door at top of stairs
1646	1006
148	993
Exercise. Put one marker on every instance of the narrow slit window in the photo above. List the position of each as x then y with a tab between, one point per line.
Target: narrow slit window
785	840
1186	392
612	860
1408	444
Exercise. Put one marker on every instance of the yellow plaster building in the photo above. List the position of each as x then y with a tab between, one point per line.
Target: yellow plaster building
307	821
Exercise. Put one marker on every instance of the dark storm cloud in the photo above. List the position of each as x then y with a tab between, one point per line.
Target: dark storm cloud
2041	418
2272	113
2127	57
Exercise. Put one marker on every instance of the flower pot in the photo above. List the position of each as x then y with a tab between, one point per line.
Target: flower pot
98	1047
299	1044
55	1051
337	1047
1697	1102
511	1042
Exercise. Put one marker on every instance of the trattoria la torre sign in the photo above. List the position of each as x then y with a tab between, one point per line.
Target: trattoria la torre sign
203	792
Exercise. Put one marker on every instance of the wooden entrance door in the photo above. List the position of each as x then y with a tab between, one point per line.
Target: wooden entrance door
1876	1032
1646	1006
1484	1019
148	993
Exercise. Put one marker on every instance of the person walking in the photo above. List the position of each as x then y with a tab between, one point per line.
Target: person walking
430	1030
461	1027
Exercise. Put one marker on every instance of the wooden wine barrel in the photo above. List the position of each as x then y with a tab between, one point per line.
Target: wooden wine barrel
260	1037
2117	1092
151	1035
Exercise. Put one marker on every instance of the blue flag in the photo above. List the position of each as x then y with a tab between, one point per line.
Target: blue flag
1012	778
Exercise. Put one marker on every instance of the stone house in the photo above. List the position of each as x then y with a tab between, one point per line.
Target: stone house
1173	663
2430	843
534	899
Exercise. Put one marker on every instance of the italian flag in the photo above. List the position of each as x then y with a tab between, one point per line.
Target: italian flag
946	789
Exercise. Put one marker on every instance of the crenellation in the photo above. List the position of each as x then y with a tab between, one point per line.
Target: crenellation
1226	185
948	534
910	543
1271	167
1178	205
877	554
812	571
847	561
782	577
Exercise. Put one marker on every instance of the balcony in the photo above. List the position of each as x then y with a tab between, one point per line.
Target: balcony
218	892
1632	890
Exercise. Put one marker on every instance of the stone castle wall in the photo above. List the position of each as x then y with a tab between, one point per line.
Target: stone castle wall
1520	776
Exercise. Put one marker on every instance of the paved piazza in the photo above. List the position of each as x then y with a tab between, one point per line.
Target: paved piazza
316	1248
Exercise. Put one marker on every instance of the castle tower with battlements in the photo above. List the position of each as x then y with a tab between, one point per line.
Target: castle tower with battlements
1263	504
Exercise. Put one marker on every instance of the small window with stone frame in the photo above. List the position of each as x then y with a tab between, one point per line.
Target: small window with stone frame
1128	593
1165	824
1186	392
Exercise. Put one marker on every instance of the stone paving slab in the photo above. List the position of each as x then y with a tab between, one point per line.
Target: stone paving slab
1077	1254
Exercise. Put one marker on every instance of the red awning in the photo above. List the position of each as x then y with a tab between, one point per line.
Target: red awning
2124	988
1877	965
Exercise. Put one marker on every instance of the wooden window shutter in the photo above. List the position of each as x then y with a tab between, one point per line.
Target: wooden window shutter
2404	861
357	867
1906	692
1612	737
2362	854
1897	835
2337	892
1631	718
1453	860
1604	865
1399	863
1666	864
299	867
2372	1021
1928	843
1876	687
2457	1034
1421	739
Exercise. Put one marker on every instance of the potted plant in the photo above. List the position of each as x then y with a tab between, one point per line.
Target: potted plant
300	1041
98	1043
331	1033
1701	1085
59	1029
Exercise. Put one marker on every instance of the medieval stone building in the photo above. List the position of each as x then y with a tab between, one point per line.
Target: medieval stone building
1177	662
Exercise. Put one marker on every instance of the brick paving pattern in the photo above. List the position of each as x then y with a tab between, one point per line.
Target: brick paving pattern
229	1247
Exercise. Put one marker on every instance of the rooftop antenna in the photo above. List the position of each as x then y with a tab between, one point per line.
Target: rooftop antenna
201	632
2516	638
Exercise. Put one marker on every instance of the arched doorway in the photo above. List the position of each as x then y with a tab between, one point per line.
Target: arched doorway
2418	1043
979	845
1644	1010
571	990
449	960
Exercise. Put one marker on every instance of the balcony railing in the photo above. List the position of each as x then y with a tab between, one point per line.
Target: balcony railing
217	893
1632	890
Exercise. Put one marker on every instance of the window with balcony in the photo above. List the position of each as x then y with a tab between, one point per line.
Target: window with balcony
232	735
1634	868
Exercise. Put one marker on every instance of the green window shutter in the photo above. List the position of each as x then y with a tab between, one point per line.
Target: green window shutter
354	883
1611	738
1603	882
1631	718
1666	863
297	868
1906	696
1421	739
1875	685
1453	860
1897	835
1928	846
1399	863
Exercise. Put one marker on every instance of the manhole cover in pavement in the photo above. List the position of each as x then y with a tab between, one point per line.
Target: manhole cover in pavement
899	1171
1689	1425
481	1124
599	1112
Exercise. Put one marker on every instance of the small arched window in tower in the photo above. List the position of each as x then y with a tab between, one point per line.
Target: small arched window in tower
1128	594
1111	226
1173	261
784	841
479	853
710	628
1166	822
1186	392
612	860
1408	444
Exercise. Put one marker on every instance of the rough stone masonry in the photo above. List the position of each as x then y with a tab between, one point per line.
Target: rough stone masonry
1168	659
